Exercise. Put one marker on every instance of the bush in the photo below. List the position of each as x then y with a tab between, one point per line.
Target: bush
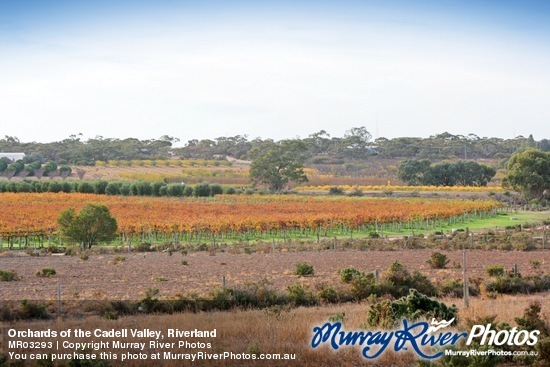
300	296
230	190
438	260
363	286
156	187
203	190
100	187
356	192
304	269
32	310
509	285
495	270
328	294
335	190
143	247
8	276
113	188
85	187
216	189
397	281
144	188
347	274
175	189
125	189
46	273
412	307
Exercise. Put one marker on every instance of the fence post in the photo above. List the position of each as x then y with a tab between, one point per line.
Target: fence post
59	297
223	282
376	276
465	280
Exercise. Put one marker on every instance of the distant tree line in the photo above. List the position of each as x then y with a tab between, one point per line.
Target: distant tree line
319	148
459	173
140	188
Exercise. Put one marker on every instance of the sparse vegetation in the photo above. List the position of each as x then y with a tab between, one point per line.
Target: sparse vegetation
304	269
46	273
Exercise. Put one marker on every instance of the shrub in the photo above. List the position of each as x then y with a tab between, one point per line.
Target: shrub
339	317
438	260
85	187
412	307
397	281
32	310
363	285
328	294
510	285
230	190
304	269
531	319
125	189
118	259
144	188
495	270
150	302
356	192
203	190
347	274
216	189
300	296
8	276
46	273
113	188
142	247
188	191
335	190
100	187
156	187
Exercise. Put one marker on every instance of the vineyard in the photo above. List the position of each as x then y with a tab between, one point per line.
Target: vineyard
223	218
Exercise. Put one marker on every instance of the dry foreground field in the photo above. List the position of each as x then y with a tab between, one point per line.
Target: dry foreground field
253	332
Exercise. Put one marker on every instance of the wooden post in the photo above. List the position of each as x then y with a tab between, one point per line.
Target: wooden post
515	269
334	243
59	297
465	280
223	282
376	278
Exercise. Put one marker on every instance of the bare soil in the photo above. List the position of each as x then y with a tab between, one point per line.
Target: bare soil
103	276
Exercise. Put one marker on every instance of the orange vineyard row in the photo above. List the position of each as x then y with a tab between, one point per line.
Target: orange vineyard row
26	213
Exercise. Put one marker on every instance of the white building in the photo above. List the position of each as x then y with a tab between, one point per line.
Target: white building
12	156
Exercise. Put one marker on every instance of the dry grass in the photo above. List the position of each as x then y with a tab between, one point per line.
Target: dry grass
268	331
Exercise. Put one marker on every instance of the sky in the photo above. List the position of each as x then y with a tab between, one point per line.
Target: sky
273	69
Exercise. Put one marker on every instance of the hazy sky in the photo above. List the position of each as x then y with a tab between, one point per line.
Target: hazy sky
279	69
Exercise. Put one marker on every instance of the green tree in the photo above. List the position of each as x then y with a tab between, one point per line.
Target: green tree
92	225
529	173
412	171
276	164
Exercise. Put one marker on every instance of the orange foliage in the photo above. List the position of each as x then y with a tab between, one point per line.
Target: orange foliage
38	212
